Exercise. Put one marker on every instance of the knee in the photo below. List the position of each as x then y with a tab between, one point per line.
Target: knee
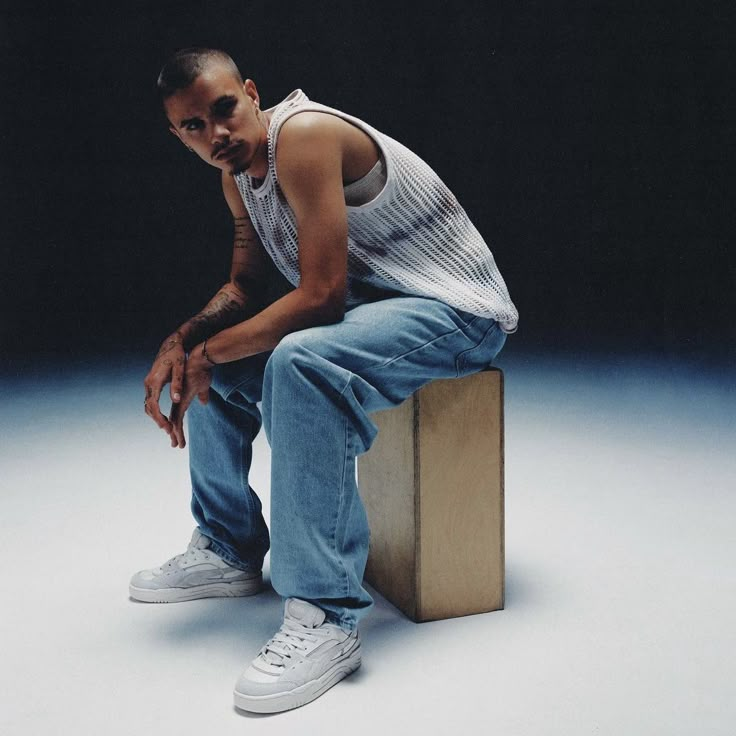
295	349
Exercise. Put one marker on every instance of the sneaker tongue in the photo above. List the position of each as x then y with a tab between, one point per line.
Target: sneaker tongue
199	541
305	613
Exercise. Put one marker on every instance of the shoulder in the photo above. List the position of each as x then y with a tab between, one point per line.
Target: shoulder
309	141
310	133
310	124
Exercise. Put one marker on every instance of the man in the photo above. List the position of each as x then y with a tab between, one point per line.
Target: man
393	287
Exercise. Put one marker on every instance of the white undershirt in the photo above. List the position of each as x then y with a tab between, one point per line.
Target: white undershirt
368	187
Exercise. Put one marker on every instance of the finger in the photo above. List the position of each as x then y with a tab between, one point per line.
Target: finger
174	419
182	439
148	400
154	411
177	379
147	408
158	377
177	422
179	432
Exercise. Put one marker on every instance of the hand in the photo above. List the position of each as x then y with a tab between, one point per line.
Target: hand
197	379
167	367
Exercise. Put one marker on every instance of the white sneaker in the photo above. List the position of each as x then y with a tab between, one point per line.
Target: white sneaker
196	573
305	658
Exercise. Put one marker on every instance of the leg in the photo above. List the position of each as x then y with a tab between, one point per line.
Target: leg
225	506
319	386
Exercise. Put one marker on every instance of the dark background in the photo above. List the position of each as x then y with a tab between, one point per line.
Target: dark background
586	142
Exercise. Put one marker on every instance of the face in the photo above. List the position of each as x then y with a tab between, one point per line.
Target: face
216	117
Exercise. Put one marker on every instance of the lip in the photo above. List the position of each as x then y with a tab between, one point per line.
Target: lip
228	152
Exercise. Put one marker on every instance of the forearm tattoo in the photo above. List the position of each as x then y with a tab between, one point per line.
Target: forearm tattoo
245	235
224	310
227	307
169	344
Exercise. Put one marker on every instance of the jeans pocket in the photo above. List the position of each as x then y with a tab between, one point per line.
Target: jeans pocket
481	355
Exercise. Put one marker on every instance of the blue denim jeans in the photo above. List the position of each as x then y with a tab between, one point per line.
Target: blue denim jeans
317	389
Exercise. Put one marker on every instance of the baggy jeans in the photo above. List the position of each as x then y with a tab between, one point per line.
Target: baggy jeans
317	389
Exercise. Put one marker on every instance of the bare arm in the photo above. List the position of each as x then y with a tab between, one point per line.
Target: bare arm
242	295
239	298
309	159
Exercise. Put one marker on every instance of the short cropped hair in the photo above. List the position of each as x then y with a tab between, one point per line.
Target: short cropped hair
186	65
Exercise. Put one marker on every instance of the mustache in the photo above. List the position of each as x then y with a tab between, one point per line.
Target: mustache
225	148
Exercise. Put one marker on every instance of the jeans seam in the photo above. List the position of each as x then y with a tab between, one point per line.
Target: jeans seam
460	360
235	388
248	503
415	349
342	492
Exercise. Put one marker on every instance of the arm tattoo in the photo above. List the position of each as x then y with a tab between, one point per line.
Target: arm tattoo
227	307
224	310
169	344
244	233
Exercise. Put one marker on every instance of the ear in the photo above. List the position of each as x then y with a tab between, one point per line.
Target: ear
249	87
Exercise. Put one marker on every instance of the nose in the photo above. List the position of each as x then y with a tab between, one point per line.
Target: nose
220	134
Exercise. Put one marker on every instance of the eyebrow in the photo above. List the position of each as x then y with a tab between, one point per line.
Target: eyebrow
218	101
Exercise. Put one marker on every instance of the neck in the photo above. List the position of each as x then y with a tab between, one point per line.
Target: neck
259	165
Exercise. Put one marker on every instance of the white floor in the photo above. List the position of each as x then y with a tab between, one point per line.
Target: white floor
621	589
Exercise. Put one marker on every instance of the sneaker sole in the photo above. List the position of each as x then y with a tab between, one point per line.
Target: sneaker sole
302	695
211	590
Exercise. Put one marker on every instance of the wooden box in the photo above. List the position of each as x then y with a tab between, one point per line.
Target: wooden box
433	485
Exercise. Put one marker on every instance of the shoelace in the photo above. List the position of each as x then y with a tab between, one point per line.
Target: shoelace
193	554
291	636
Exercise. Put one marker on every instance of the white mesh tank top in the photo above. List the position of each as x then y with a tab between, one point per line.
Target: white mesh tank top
413	238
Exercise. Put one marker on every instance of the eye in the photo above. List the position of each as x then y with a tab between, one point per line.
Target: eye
225	108
193	125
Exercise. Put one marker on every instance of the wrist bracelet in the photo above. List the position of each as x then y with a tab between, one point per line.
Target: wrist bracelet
204	353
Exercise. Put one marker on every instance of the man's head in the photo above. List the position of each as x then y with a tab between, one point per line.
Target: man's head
212	110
